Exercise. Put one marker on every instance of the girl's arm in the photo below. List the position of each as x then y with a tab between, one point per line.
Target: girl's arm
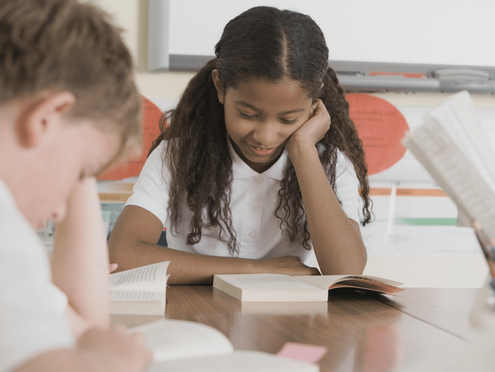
80	260
336	239
133	243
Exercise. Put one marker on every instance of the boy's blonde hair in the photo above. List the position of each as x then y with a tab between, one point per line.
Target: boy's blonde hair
64	45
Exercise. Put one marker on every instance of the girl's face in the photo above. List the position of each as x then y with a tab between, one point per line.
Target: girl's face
260	116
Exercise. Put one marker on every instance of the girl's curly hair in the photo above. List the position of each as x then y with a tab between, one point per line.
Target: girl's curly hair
261	43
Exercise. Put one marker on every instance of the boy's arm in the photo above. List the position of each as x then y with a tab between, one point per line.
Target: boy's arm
80	259
97	350
133	243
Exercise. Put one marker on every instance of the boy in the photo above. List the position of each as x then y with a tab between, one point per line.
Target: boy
68	110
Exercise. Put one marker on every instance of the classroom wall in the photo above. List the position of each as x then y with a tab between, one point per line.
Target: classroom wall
415	271
132	17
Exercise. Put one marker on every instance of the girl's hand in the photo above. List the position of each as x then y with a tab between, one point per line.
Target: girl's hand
288	265
313	130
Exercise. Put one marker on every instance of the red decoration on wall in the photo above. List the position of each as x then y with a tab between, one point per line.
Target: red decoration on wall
151	130
381	127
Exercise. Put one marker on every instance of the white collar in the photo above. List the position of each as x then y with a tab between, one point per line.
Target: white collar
242	170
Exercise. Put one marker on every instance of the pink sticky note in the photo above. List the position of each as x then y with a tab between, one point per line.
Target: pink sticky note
302	352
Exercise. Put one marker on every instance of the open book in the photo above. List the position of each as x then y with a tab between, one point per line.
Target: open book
139	291
453	147
279	287
183	346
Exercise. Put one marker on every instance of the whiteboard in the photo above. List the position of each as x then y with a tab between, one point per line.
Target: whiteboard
441	32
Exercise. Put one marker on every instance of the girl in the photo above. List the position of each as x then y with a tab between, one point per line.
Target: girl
260	166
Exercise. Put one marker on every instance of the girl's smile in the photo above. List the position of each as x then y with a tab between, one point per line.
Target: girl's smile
260	116
262	151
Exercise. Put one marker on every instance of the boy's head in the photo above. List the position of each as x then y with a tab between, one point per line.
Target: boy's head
63	45
63	63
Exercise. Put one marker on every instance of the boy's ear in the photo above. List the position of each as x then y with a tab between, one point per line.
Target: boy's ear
39	118
218	86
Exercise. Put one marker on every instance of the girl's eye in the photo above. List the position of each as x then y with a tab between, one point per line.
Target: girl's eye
288	121
246	116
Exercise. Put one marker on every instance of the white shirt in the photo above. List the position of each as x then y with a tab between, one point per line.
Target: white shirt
253	204
32	309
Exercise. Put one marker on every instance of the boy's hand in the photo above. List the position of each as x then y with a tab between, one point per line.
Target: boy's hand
115	350
313	130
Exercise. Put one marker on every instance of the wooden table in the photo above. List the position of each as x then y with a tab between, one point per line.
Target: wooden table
362	332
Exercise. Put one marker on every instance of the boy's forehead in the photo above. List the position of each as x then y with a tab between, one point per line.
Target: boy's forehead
104	149
84	146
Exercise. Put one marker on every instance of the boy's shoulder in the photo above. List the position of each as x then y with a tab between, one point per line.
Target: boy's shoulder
19	242
9	214
31	307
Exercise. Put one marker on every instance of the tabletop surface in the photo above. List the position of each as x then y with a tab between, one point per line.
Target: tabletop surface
362	332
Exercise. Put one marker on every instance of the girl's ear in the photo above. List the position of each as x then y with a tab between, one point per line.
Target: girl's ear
41	118
218	86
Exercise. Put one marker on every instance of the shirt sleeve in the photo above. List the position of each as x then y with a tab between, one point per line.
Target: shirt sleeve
347	185
151	189
32	320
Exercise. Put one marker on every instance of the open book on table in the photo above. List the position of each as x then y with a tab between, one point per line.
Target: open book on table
453	147
279	287
183	346
139	291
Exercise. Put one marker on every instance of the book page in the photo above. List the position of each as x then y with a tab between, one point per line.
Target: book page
238	361
453	171
149	278
368	286
175	339
265	281
135	296
469	116
458	118
355	281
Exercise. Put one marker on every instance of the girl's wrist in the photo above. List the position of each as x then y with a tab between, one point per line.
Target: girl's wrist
300	150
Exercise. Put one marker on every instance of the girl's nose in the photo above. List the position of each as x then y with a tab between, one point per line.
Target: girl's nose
266	135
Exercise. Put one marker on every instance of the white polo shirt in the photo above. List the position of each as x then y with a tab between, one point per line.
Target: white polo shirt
32	309
253	204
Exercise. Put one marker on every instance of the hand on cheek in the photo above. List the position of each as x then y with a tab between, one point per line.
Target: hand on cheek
310	132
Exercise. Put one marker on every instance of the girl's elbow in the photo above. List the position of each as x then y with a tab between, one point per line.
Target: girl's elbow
361	261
